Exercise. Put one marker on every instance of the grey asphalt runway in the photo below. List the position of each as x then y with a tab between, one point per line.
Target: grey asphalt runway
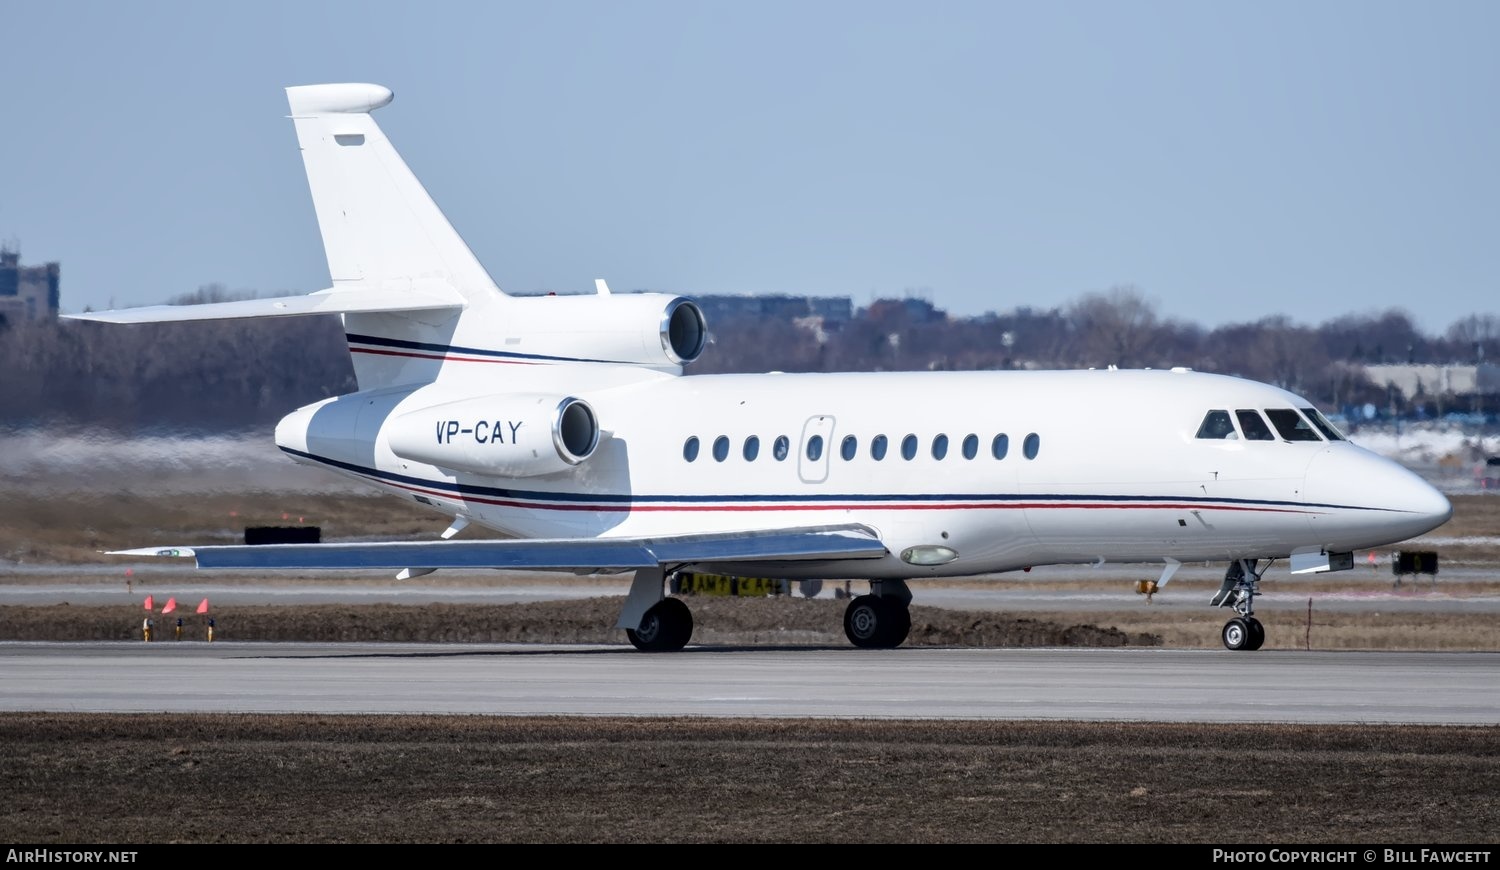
1056	684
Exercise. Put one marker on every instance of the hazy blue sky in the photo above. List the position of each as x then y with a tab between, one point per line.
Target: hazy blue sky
1232	160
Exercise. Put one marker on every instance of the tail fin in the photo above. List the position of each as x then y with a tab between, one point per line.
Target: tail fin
380	228
401	274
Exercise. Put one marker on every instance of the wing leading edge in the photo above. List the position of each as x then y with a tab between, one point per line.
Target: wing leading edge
559	554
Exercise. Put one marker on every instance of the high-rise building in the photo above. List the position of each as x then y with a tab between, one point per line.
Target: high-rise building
26	292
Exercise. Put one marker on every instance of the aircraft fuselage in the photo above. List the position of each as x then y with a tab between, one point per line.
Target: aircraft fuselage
988	471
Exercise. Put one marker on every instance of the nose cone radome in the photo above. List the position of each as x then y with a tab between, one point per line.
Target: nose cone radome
1368	500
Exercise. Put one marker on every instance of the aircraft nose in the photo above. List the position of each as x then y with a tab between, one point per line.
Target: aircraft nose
1384	501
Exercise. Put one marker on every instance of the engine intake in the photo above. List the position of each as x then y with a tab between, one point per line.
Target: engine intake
684	332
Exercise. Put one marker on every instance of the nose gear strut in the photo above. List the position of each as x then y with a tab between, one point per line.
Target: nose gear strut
1241	585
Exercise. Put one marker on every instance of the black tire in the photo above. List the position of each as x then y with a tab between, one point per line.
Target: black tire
898	622
1257	633
666	627
872	622
862	621
1236	634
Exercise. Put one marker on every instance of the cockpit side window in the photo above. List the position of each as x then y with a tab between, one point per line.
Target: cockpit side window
1254	425
1329	431
1216	424
1291	425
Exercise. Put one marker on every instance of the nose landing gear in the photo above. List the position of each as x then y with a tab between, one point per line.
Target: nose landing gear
1241	585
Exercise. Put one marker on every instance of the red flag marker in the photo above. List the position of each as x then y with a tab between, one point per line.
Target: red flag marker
171	605
148	602
129	572
203	606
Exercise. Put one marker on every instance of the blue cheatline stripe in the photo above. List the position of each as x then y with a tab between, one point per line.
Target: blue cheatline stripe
617	500
442	349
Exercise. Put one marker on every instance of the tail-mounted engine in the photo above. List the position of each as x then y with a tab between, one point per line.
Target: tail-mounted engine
513	435
651	329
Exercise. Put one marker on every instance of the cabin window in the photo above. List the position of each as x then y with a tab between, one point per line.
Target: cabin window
1291	425
1031	445
690	448
877	447
815	448
1328	429
721	448
849	447
909	447
1254	425
752	448
1216	424
971	446
781	448
1000	446
940	447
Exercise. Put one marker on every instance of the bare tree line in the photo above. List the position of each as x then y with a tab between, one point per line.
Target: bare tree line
235	374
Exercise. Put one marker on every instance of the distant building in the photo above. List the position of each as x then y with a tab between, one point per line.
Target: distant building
27	293
1412	380
830	310
912	309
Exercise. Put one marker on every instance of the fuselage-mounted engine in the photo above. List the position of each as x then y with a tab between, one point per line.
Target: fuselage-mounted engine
650	329
507	435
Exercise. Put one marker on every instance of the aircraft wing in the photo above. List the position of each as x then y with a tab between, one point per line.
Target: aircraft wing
571	554
331	301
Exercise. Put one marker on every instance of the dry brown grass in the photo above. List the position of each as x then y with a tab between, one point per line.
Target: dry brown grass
87	779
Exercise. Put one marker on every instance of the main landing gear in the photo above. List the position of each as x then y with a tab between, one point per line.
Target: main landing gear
1241	585
881	619
656	623
652	621
666	627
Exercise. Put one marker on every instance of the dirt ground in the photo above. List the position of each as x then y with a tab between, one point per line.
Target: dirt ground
100	779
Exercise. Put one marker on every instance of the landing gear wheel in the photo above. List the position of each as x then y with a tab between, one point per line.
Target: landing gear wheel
1257	633
899	622
1236	634
872	622
666	627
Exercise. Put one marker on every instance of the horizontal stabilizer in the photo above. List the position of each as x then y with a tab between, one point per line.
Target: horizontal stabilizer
334	301
570	554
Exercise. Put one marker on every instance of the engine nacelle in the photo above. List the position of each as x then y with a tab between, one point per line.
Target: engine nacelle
644	328
507	435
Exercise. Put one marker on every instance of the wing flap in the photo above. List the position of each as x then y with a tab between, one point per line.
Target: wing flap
570	554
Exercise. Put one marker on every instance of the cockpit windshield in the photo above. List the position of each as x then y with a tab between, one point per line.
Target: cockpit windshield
1291	425
1255	427
1329	431
1216	424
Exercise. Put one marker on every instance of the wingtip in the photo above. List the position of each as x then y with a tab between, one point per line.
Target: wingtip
179	552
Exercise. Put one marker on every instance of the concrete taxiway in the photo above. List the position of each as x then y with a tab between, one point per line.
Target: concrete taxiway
1057	684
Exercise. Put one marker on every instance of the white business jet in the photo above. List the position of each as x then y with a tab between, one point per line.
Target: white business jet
565	422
